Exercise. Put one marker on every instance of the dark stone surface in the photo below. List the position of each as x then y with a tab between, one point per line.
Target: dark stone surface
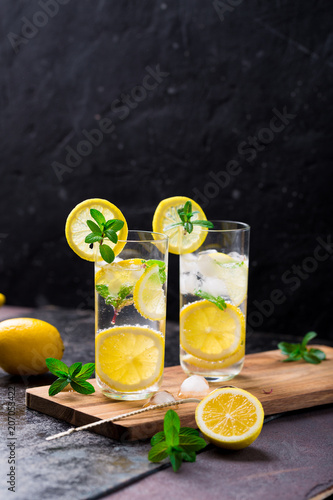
87	465
226	74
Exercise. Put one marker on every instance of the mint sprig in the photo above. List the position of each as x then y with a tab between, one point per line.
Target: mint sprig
295	352
185	215
117	301
76	375
103	229
218	301
178	443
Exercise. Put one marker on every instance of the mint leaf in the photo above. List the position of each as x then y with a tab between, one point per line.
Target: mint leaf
218	301
188	431
162	274
106	253
57	386
114	224
203	223
92	238
309	336
158	452
191	443
157	438
103	290
189	456
111	235
175	459
82	386
87	370
93	227
57	367
185	214
295	352
74	369
171	422
98	216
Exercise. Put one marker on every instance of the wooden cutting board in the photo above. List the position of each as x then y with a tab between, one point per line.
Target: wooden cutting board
280	387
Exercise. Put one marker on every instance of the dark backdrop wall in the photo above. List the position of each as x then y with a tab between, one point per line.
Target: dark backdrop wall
228	102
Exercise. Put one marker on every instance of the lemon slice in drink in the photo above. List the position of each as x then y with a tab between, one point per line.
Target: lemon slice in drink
76	228
209	333
166	215
230	418
235	357
149	297
234	275
129	358
120	274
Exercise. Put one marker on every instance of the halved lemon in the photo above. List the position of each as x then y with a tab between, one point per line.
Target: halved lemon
166	215
120	274
209	333
129	358
149	297
76	228
234	275
230	418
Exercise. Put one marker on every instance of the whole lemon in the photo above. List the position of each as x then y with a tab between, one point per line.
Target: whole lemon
2	299
25	343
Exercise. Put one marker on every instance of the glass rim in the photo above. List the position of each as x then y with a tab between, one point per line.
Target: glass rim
243	226
161	237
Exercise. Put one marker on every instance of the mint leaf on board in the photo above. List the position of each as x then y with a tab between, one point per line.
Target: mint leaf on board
178	443
57	367
75	375
218	301
295	352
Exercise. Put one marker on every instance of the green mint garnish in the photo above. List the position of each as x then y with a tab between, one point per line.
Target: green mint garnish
218	301
296	352
185	215
161	265
178	443
103	229
117	301
76	375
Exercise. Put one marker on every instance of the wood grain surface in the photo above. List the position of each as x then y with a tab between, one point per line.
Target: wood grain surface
280	387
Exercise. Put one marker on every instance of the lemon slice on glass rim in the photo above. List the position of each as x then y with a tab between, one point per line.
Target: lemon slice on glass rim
129	358
166	214
76	228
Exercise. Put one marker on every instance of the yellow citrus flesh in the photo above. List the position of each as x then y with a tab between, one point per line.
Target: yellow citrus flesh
149	297
209	333
2	299
235	357
230	418
119	274
166	214
233	274
129	358
76	228
25	343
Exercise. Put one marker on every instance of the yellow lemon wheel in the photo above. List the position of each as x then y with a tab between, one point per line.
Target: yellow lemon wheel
166	214
235	357
149	297
129	358
230	418
76	228
209	333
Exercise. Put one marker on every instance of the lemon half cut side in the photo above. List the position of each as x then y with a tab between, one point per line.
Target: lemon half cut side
230	418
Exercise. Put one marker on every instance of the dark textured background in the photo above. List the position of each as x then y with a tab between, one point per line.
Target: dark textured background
226	67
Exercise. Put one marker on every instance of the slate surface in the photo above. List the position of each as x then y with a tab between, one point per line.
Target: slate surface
227	72
83	466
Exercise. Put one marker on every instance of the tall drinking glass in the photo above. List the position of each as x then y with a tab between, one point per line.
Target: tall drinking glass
213	299
130	309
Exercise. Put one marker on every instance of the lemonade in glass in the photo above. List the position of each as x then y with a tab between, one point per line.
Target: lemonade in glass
130	309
